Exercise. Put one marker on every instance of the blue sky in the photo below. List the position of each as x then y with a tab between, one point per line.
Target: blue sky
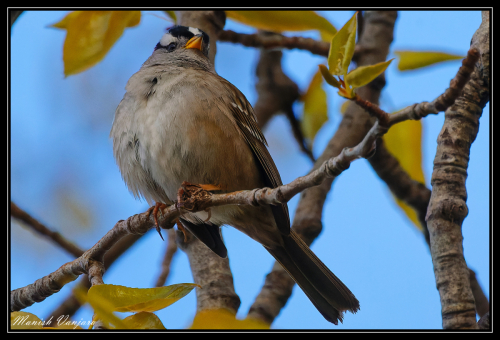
64	174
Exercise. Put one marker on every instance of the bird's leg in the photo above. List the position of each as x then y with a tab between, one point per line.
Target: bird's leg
155	210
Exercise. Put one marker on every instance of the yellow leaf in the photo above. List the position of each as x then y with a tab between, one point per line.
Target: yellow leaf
315	107
410	60
143	320
24	320
91	34
404	141
126	299
224	319
103	308
365	74
279	21
328	77
342	48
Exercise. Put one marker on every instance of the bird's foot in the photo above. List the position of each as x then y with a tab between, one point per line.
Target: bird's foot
191	196
155	209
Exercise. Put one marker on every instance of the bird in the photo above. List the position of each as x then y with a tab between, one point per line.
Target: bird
179	121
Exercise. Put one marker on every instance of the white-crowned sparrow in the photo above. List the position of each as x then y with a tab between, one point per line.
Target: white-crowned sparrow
180	121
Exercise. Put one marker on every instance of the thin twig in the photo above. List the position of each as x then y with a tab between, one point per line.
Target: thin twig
276	41
38	227
441	103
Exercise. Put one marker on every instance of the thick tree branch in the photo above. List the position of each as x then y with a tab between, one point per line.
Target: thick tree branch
447	208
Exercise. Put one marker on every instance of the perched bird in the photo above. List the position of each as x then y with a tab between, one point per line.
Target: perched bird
180	121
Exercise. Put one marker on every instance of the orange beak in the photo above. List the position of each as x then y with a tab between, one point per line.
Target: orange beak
195	42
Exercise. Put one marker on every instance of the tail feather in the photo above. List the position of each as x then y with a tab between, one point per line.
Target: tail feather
330	296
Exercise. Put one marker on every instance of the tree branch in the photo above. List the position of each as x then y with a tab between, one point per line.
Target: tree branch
71	305
447	207
276	41
46	286
57	238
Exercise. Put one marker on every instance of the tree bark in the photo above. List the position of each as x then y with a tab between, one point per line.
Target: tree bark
447	207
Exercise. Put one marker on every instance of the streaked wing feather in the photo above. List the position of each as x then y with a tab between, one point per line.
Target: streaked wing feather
247	122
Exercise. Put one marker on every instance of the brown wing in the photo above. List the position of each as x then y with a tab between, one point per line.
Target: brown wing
247	122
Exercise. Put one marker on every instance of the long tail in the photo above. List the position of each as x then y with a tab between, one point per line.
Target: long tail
330	296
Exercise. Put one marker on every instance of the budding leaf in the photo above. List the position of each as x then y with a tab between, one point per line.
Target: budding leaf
365	74
328	77
342	48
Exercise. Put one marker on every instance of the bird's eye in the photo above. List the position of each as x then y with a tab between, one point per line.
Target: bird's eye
170	47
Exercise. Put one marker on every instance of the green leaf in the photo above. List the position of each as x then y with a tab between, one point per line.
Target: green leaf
315	107
410	60
404	141
143	320
126	299
342	48
279	21
91	34
328	77
365	74
224	319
